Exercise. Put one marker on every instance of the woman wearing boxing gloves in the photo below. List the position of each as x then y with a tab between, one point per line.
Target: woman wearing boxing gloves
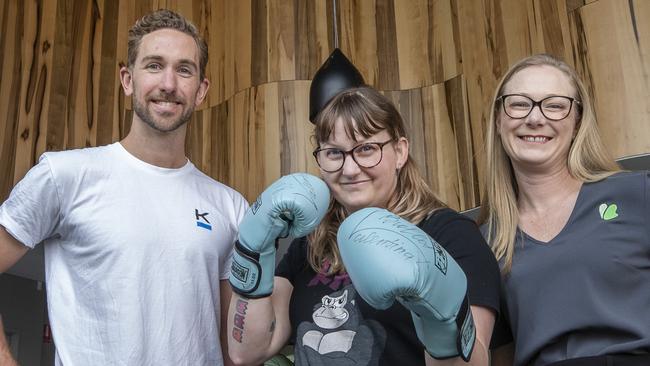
569	229
397	297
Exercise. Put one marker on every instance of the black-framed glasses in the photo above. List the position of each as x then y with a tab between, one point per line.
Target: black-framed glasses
554	107
366	155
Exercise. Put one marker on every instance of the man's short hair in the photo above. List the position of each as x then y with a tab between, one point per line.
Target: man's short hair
165	19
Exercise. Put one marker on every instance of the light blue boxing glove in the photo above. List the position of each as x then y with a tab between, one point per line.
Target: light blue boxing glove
292	206
389	259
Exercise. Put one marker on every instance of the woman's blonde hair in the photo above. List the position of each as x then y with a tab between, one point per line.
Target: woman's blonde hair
366	112
588	161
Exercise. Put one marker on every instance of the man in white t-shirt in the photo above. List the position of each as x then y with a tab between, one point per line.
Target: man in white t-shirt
138	242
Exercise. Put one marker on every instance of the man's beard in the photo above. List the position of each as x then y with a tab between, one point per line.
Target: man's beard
143	113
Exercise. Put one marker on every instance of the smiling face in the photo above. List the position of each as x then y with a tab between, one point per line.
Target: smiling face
356	187
535	142
164	80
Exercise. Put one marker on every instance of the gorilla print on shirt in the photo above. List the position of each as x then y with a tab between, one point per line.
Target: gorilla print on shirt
338	334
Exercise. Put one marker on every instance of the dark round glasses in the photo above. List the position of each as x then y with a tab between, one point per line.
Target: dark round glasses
366	155
554	107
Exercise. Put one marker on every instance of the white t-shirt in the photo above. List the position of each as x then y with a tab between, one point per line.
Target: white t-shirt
133	255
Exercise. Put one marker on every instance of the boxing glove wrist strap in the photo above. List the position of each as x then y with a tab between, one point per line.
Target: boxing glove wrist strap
247	276
459	339
466	331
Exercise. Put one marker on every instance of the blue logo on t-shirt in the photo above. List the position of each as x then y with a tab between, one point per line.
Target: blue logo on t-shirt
200	218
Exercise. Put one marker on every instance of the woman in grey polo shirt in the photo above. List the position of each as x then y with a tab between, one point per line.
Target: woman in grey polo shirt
569	229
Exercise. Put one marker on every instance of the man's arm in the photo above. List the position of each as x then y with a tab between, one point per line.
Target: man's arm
5	353
11	250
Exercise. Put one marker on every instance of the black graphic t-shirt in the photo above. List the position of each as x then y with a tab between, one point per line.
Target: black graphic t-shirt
332	324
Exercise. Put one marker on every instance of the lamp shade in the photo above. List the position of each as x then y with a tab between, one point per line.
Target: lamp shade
335	75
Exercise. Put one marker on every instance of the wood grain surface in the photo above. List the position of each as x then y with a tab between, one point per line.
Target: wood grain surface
438	60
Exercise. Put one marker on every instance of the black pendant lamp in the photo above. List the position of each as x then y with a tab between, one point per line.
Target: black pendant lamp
335	75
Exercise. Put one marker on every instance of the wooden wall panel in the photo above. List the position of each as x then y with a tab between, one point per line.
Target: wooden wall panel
35	76
269	107
438	60
109	87
359	41
282	55
250	140
313	35
481	64
426	50
612	54
440	139
220	142
9	89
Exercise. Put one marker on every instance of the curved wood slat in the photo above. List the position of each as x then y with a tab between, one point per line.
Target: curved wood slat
438	60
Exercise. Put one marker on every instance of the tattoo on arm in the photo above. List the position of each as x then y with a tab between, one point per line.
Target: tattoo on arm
272	326
240	315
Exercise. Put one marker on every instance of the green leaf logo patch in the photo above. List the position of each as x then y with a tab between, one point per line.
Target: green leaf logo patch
608	212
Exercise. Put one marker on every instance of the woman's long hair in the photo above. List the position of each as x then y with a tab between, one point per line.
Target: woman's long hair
588	161
366	112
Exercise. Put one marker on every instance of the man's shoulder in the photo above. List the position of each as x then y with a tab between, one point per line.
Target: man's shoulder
79	155
222	195
216	186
